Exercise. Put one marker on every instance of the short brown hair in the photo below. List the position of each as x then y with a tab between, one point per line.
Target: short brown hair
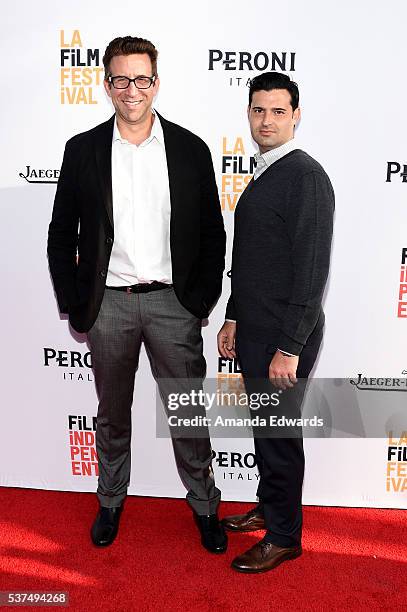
127	45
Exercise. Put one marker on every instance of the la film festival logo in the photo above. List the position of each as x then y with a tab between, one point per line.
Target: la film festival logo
237	168
229	376
81	72
82	450
243	61
228	368
396	468
396	481
402	301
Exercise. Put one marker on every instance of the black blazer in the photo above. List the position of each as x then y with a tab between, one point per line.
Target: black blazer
79	258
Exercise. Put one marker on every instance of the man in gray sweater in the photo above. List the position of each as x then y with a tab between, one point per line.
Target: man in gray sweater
274	318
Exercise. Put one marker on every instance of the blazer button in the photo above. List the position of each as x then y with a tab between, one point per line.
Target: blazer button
102	273
109	240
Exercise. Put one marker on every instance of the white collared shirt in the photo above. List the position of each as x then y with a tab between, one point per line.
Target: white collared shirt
264	160
141	211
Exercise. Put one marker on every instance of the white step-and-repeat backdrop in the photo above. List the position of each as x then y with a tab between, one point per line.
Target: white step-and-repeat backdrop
349	60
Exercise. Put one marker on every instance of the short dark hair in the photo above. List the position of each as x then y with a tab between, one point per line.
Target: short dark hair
127	45
275	80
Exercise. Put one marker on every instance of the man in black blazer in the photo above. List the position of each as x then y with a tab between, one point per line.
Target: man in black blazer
136	252
274	318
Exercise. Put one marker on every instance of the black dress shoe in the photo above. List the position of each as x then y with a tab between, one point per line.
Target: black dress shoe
105	528
213	535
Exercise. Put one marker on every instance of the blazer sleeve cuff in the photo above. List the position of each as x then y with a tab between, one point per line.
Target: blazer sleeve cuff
289	345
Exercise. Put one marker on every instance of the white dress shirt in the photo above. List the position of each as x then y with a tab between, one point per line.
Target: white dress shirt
141	211
264	160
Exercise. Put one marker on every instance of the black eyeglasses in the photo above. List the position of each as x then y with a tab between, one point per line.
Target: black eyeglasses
123	82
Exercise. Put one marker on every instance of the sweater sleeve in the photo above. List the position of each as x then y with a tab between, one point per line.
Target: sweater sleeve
230	309
309	225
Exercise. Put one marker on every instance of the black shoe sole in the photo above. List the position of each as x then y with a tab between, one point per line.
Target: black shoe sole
102	544
217	551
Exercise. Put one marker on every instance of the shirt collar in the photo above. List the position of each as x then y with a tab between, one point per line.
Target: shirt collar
269	157
156	132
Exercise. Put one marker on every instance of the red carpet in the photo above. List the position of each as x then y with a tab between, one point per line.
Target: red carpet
354	559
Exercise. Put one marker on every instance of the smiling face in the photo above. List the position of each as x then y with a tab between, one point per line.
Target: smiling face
272	118
132	105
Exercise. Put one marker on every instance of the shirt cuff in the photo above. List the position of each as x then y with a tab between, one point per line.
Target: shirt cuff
286	353
230	320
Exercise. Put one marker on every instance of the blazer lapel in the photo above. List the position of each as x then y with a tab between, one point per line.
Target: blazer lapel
103	152
174	164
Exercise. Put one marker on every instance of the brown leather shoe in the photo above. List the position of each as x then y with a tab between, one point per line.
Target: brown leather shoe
263	557
251	521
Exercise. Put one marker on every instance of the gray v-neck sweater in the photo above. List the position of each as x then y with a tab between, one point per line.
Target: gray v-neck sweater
281	252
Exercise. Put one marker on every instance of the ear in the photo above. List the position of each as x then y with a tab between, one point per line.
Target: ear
156	86
107	87
297	115
248	111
